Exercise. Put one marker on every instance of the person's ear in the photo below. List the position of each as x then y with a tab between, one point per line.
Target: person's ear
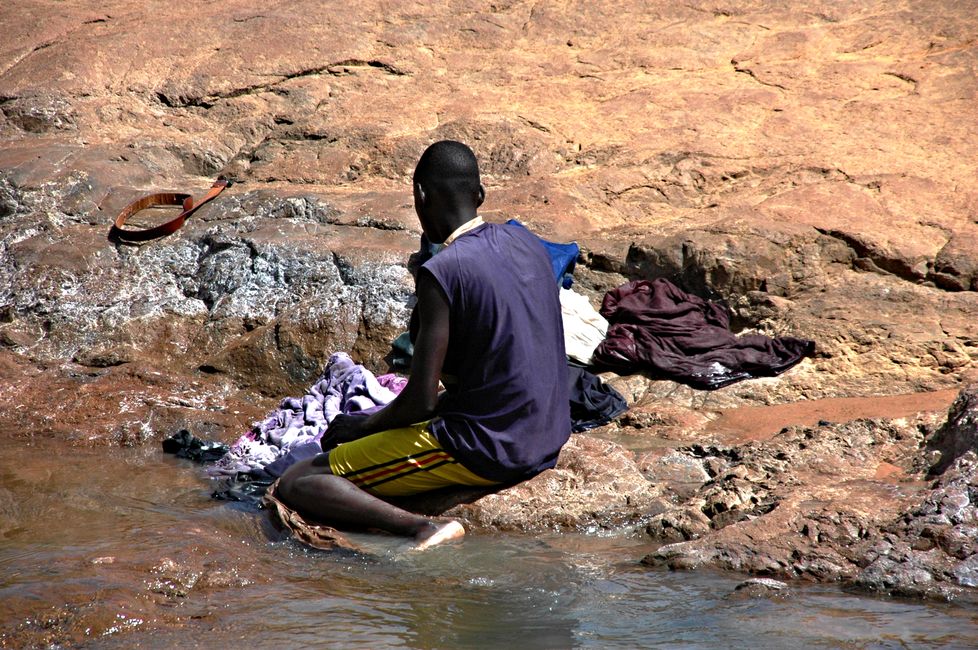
419	193
482	196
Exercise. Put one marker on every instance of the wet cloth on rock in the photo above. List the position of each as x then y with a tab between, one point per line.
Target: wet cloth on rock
343	387
655	326
593	403
186	445
584	327
314	534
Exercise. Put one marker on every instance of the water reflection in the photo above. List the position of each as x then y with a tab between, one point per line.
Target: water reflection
486	600
127	549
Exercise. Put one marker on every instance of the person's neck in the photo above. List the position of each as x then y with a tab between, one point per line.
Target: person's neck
472	223
455	220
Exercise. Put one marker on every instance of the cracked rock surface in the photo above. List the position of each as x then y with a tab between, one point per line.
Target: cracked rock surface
810	165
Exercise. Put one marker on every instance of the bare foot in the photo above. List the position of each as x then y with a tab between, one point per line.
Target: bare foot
441	532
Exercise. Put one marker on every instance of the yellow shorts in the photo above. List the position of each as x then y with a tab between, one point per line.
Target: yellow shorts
400	462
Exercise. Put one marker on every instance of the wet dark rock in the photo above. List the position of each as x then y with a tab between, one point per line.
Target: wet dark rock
777	509
679	472
959	434
679	525
777	506
947	519
176	579
955	267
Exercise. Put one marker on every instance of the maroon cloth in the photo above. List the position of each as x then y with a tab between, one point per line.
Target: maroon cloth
656	326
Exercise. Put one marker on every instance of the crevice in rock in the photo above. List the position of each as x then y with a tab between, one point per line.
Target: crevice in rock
750	73
534	125
830	173
344	269
277	336
301	135
18	60
530	16
253	254
334	69
905	78
180	102
614	194
870	260
389	68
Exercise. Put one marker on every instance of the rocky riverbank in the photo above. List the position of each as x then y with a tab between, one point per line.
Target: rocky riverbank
810	166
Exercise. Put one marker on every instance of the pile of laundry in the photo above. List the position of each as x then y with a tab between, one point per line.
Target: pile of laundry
290	433
644	326
293	431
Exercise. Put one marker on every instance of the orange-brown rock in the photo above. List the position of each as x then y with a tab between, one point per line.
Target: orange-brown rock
810	165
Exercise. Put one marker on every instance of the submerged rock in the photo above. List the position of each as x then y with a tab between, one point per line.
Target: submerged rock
760	588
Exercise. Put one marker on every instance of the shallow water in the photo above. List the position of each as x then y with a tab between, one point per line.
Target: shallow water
124	548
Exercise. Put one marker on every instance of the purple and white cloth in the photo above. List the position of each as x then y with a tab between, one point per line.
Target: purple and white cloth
293	431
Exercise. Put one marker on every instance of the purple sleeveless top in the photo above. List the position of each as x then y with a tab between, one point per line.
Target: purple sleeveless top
508	415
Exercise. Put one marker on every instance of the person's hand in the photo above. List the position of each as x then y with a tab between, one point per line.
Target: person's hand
343	428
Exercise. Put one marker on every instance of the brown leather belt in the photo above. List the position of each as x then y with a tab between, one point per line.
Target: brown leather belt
117	232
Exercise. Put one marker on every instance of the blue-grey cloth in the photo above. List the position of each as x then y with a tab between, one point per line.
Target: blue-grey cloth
507	416
563	257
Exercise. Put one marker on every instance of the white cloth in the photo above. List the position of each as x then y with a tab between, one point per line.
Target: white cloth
584	327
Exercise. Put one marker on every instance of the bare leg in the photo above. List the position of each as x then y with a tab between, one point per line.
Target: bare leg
310	488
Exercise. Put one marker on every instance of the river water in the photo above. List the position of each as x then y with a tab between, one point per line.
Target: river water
124	548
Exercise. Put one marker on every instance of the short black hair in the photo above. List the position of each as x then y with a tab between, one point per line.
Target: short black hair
450	168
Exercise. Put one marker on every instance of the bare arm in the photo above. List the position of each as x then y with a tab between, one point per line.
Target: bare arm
418	400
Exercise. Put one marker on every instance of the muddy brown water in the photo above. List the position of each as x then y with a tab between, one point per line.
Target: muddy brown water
124	548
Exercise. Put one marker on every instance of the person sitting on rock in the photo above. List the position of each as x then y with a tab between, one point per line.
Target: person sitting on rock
491	332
